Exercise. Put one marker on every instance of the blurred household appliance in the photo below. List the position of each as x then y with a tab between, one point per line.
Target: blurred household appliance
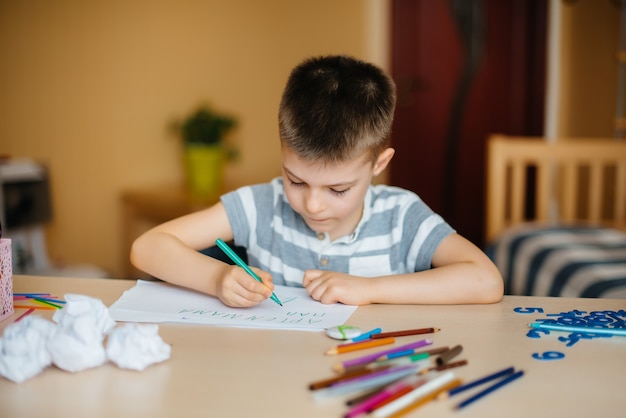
25	208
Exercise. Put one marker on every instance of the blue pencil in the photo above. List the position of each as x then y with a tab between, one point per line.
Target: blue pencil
233	256
573	328
50	300
480	381
367	335
490	389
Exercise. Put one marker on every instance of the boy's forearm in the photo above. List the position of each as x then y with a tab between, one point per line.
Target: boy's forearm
164	257
452	284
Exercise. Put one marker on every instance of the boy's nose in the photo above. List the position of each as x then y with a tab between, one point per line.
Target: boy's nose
313	202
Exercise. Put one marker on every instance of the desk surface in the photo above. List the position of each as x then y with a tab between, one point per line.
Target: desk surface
231	372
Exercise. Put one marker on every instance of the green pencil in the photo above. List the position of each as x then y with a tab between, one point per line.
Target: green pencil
237	260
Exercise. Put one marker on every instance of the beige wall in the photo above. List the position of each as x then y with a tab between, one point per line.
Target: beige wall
588	74
88	88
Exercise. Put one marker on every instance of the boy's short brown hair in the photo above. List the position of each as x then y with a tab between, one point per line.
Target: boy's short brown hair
336	108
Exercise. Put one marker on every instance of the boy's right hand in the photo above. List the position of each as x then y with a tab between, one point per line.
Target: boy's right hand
237	289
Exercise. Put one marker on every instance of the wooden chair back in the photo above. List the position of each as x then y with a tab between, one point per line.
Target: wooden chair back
571	180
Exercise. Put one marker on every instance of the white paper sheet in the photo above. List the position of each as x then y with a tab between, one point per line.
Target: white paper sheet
161	302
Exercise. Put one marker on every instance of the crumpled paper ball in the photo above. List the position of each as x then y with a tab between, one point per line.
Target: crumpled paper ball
23	351
78	306
76	341
81	327
134	346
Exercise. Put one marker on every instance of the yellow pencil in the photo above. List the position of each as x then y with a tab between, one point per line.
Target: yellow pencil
45	303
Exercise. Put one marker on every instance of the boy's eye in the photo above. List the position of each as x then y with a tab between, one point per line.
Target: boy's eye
333	191
339	192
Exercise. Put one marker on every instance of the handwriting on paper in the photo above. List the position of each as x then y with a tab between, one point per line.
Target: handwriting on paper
294	317
162	302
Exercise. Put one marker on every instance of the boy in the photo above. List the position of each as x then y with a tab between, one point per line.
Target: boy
322	225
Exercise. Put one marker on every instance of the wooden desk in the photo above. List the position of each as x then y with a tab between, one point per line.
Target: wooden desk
145	207
232	372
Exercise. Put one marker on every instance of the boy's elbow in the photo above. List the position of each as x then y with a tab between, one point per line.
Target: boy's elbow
138	253
493	291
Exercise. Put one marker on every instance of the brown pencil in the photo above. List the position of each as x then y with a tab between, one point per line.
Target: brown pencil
445	366
404	333
320	384
446	356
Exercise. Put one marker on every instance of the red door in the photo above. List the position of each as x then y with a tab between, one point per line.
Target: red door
464	69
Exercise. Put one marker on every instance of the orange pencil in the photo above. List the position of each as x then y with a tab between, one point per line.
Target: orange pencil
44	308
361	345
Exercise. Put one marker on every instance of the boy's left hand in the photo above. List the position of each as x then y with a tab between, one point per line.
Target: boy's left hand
332	287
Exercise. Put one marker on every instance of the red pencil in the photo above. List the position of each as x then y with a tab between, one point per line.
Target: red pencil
28	312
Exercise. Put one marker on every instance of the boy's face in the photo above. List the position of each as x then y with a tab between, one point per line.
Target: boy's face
329	197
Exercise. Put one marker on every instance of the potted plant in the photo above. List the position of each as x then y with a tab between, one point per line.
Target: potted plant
203	133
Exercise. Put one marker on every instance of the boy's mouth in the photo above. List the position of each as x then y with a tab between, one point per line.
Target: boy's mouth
318	221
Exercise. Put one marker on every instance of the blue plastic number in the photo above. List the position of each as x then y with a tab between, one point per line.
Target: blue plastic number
528	310
548	355
536	333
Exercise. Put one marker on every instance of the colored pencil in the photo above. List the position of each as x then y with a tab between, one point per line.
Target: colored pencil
361	345
490	389
397	395
28	312
449	355
371	402
237	260
432	352
43	308
32	295
423	357
479	381
433	384
373	357
445	366
571	328
424	400
44	303
346	387
406	332
367	335
320	384
51	300
363	396
375	374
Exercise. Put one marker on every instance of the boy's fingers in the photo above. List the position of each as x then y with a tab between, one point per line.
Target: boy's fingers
310	275
266	278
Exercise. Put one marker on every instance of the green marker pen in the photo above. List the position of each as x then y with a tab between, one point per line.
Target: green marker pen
237	260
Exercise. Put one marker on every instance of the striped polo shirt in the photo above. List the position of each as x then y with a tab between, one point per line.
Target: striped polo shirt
398	233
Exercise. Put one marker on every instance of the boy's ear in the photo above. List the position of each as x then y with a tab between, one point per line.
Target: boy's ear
383	160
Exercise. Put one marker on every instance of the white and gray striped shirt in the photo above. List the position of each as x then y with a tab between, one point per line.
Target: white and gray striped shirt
398	233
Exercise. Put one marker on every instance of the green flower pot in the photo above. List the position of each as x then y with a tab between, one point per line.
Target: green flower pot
204	170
